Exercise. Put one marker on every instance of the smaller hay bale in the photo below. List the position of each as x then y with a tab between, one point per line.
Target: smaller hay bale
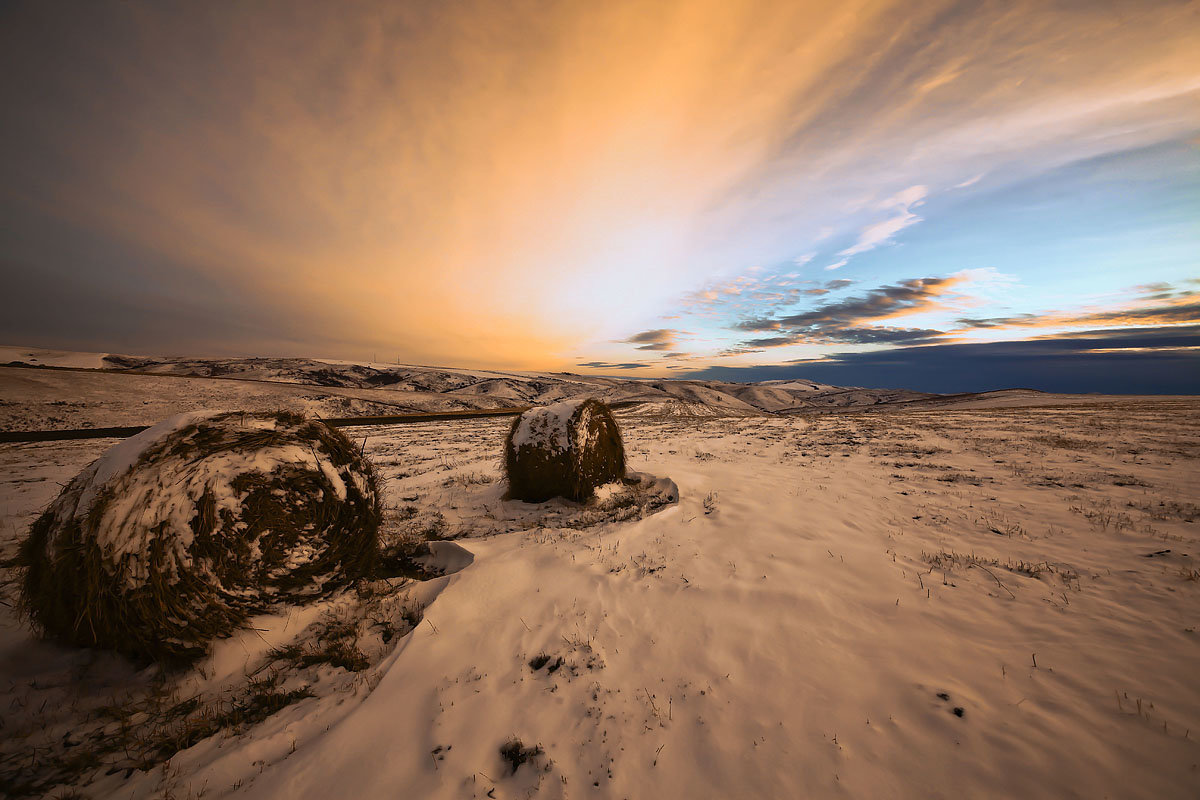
176	536
563	450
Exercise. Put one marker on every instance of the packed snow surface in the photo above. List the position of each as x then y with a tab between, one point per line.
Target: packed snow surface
125	453
940	603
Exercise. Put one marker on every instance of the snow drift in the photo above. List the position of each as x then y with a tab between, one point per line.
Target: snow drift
563	450
175	536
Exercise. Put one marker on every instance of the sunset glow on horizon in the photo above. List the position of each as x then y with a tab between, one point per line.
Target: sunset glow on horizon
735	190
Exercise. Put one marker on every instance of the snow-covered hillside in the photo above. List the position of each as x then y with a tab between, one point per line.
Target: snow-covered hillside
41	357
441	388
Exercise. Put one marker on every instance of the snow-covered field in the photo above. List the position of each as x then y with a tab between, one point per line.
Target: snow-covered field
939	603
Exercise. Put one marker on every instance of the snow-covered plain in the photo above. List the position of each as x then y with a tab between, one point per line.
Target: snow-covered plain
923	603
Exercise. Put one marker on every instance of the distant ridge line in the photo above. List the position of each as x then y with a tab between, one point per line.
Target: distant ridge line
15	437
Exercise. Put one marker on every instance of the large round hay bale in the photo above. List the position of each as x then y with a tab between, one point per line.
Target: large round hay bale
175	536
563	450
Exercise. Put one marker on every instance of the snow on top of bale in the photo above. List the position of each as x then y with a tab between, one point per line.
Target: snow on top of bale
177	534
547	426
563	450
123	455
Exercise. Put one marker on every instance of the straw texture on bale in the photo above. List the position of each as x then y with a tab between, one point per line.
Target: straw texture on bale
563	450
177	535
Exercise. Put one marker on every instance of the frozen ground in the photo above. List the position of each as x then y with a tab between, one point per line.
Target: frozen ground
933	603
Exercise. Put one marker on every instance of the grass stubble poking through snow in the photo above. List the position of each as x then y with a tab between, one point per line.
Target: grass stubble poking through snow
934	604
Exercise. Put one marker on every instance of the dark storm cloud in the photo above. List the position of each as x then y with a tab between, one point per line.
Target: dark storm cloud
658	339
853	320
830	286
842	322
1164	314
1156	291
609	365
886	301
1128	361
1164	337
909	336
770	341
997	322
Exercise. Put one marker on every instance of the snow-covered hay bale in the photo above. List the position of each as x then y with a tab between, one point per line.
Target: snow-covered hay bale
177	535
563	450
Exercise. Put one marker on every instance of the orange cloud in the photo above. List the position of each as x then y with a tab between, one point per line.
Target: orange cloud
484	183
1179	308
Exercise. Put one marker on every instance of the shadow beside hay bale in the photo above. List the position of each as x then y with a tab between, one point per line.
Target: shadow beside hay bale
563	450
176	536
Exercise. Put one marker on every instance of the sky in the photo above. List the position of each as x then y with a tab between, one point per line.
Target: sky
933	195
